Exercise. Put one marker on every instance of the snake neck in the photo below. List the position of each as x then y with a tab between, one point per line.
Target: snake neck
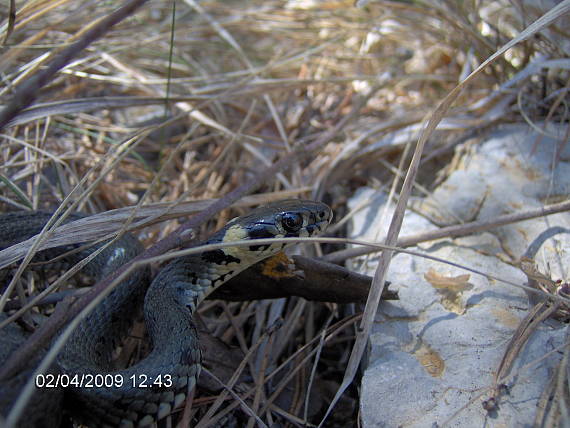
179	288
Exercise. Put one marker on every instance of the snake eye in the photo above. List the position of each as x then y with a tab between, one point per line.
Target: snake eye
292	222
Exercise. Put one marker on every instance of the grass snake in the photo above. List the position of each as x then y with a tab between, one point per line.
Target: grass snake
169	303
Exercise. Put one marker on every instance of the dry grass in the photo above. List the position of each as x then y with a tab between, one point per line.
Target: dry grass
188	103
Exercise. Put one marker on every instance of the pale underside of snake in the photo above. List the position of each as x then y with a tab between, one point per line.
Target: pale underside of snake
169	303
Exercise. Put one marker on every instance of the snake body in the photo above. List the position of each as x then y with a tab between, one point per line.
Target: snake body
169	303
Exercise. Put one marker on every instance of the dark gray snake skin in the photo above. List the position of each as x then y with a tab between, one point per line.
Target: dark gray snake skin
169	304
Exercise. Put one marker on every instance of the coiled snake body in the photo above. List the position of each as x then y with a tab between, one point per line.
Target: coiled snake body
168	306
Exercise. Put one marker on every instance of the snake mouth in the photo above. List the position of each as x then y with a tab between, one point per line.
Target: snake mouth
317	228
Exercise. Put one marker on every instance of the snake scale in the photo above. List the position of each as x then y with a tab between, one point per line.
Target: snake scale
169	303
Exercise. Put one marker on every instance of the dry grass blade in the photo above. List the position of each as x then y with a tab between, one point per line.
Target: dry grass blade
526	328
11	21
456	231
42	110
16	190
535	317
554	404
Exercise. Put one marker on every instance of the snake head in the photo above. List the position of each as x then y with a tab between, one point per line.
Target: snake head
282	219
290	218
286	219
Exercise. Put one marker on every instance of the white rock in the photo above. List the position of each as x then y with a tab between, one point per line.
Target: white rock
434	352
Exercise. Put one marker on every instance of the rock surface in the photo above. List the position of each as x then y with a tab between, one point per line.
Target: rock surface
434	353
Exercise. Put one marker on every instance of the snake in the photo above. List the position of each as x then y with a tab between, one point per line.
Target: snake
168	303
